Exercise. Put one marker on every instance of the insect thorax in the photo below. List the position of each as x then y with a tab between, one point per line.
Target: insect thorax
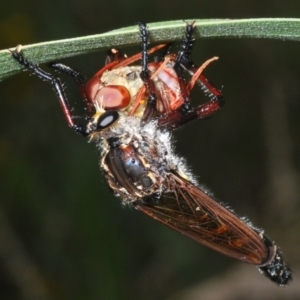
137	159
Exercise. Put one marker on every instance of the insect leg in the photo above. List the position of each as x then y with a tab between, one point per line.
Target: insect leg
183	58
145	76
186	47
163	53
180	117
186	113
79	80
57	87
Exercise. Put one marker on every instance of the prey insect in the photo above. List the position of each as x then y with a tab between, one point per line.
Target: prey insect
132	110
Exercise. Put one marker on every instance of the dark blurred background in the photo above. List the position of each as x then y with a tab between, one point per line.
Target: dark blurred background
63	235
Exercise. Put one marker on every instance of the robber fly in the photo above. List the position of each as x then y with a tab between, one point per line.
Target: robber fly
132	110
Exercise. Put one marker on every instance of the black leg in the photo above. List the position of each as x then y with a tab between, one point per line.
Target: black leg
145	76
186	47
166	50
57	87
186	113
183	58
78	78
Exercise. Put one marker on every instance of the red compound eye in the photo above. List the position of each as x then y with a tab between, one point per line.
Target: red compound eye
92	87
109	97
113	97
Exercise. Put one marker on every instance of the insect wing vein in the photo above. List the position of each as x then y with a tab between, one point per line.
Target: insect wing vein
189	210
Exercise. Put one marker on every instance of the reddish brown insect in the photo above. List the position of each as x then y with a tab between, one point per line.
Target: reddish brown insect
132	110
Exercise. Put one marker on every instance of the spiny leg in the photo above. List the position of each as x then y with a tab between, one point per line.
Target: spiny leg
186	62
145	76
57	87
186	47
176	118
182	58
186	113
79	80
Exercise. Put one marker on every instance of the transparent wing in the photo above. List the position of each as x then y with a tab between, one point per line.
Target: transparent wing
191	211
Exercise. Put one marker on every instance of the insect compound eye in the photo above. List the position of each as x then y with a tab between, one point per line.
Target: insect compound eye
110	97
91	88
107	119
114	97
